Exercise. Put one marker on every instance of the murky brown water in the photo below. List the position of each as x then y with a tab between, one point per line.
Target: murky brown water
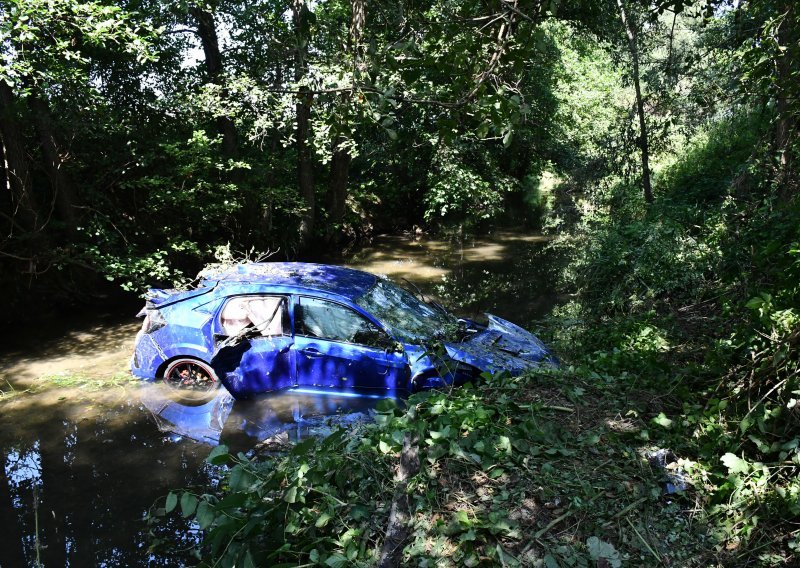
86	451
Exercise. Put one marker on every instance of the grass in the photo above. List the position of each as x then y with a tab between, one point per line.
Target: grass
85	381
8	391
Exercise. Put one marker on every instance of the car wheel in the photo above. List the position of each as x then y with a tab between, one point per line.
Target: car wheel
191	379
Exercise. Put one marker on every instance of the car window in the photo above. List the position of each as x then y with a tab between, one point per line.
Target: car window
267	314
405	316
329	320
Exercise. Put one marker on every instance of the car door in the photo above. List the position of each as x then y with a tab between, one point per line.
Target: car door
254	343
337	347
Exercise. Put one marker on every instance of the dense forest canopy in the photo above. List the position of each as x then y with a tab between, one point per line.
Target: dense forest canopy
298	124
656	142
139	136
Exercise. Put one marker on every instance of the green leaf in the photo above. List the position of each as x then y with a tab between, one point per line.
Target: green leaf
248	561
219	455
172	502
468	536
550	561
444	433
303	447
663	421
599	549
188	504
323	519
385	405
754	303
337	561
291	495
205	515
497	472
232	501
735	464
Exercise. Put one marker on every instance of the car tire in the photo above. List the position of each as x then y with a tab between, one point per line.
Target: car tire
190	380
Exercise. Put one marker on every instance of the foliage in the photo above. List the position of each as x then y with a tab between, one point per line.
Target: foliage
326	502
129	156
458	192
696	296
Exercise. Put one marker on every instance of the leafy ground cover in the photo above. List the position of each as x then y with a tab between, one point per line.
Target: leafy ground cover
549	469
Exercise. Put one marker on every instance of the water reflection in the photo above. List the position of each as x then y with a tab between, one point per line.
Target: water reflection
74	490
297	413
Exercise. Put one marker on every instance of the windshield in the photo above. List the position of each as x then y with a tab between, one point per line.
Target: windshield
408	318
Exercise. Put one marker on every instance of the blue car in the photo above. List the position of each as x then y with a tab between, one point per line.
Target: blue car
262	327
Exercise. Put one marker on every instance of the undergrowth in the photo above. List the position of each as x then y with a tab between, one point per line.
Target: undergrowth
542	470
697	297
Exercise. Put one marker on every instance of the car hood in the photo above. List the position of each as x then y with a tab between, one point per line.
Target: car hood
502	346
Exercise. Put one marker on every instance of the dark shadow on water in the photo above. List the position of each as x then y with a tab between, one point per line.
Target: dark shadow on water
72	331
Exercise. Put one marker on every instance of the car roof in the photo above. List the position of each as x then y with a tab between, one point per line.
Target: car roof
339	280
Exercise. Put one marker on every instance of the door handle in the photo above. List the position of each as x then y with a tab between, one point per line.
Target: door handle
311	352
284	350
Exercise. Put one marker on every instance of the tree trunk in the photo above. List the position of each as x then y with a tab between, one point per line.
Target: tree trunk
63	192
630	30
341	159
17	179
207	31
397	529
337	189
305	166
786	123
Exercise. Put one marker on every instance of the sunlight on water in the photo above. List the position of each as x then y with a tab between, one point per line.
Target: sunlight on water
86	451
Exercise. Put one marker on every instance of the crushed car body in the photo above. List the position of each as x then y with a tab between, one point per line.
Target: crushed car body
262	327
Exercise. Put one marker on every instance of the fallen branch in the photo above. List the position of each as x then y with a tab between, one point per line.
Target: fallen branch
399	516
551	524
559	408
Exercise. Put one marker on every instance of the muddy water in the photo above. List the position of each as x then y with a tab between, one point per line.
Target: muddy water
505	273
86	451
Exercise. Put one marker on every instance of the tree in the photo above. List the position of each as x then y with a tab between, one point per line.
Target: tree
302	18
341	151
64	33
207	30
631	31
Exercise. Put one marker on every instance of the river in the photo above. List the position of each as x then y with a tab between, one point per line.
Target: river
87	452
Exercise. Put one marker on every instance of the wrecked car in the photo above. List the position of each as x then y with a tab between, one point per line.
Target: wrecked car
261	327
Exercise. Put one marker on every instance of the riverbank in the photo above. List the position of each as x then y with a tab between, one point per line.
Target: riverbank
550	469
